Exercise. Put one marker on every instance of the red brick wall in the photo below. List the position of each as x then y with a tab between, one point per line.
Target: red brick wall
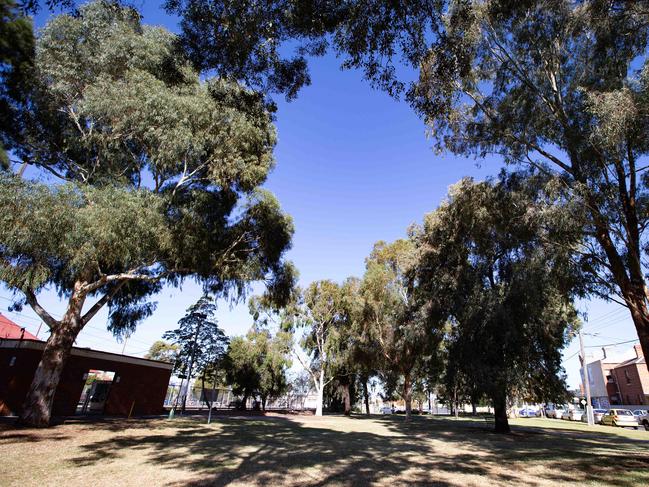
143	387
633	392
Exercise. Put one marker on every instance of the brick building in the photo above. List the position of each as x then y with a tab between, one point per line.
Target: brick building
603	388
91	382
632	379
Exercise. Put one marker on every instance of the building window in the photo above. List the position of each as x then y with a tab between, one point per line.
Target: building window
627	376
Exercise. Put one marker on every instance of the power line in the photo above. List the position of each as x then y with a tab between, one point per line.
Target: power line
612	344
606	315
38	321
573	355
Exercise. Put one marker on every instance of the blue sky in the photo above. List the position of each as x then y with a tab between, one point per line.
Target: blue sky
353	167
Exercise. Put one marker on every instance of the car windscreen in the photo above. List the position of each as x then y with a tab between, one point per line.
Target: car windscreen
624	413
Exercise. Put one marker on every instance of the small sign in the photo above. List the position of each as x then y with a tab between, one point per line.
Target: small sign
583	402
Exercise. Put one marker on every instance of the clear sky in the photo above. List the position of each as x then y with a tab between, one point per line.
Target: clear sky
353	166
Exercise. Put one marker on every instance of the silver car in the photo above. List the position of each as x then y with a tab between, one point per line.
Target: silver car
642	416
597	416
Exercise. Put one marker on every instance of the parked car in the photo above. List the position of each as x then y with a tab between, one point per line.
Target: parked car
556	413
566	414
642	416
527	413
387	410
597	416
576	414
620	417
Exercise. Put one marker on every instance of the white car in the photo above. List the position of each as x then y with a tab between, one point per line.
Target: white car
556	413
386	410
575	415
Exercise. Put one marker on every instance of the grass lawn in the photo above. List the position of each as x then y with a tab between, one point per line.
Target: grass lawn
333	450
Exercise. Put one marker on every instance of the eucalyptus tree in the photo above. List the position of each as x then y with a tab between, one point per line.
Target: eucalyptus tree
406	333
163	351
277	350
154	178
257	364
16	64
496	256
200	341
556	85
320	315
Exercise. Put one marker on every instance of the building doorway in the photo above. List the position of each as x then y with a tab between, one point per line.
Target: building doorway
95	391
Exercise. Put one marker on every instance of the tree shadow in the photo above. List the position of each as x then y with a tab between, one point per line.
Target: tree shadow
283	451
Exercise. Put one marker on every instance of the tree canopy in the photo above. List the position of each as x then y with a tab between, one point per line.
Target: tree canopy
16	64
554	85
257	364
496	256
155	178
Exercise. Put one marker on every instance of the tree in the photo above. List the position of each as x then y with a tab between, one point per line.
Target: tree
163	351
495	255
406	334
155	177
273	381
201	344
319	315
16	64
555	85
257	365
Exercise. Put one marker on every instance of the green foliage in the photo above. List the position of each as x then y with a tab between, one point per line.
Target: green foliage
257	364
199	341
164	351
16	64
160	169
498	256
406	333
555	85
244	39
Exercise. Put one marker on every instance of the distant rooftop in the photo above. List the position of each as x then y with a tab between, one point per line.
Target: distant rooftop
9	329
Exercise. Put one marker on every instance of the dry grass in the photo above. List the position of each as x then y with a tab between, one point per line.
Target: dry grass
299	450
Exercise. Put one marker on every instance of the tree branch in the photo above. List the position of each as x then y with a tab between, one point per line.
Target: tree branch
101	303
39	310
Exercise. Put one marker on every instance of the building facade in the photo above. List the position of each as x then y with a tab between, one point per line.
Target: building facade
632	378
619	382
92	382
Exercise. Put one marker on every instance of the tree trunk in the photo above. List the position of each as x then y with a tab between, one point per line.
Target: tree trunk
407	395
347	400
244	402
263	403
627	271
207	403
500	414
37	408
320	388
474	409
367	397
640	315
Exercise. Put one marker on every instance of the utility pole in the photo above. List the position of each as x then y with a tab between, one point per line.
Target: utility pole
584	367
125	342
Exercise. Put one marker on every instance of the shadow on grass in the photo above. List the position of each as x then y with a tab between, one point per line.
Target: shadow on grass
281	451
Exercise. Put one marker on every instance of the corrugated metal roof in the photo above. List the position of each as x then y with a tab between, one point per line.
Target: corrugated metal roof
9	329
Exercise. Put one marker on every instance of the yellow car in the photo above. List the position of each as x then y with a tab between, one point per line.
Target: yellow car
620	417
